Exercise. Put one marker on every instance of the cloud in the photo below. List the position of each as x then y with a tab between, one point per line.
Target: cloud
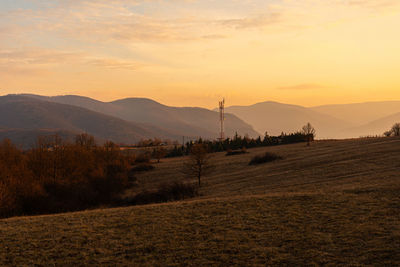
122	24
114	64
214	36
135	28
372	4
305	86
37	56
252	22
125	22
35	59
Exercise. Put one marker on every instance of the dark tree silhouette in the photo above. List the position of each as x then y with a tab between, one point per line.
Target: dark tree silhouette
394	131
159	152
198	163
309	131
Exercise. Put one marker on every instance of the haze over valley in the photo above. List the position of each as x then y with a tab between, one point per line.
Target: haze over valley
330	121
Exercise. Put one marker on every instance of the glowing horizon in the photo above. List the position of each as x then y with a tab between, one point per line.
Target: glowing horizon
193	53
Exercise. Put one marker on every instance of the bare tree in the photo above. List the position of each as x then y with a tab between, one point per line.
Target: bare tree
198	163
85	140
309	131
159	152
394	131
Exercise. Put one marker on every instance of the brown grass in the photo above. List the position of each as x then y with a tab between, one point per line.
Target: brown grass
334	203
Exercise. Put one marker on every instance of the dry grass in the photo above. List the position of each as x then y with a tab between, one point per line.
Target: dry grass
325	166
334	203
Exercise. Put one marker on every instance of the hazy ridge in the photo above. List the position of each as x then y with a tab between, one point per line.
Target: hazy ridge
330	121
23	117
122	121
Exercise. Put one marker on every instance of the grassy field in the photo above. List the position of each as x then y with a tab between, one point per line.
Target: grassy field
334	203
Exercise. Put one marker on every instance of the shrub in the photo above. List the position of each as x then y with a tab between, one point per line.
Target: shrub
143	158
166	192
264	158
143	167
235	152
159	153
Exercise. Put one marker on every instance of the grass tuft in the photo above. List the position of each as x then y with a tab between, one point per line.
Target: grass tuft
166	192
143	167
264	158
235	152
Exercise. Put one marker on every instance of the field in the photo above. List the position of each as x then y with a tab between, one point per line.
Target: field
334	203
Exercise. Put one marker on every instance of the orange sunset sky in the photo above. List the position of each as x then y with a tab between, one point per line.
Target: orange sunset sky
192	53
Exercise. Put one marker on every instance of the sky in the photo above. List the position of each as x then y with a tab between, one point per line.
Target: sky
195	52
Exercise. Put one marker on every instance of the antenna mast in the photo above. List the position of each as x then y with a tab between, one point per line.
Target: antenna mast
222	119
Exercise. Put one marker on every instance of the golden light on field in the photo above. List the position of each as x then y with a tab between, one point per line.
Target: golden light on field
181	52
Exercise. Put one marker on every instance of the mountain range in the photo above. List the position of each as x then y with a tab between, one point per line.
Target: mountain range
330	121
183	121
24	117
360	113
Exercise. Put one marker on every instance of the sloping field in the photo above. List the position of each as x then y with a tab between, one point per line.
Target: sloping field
334	203
326	166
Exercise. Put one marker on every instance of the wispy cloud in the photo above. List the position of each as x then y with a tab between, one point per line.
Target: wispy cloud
37	57
122	21
114	64
305	86
372	4
252	22
26	59
133	20
197	44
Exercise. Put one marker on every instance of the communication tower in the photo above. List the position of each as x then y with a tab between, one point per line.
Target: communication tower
222	119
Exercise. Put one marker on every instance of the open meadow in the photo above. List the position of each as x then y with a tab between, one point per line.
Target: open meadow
333	203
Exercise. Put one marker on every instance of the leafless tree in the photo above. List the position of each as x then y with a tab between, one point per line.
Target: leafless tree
85	140
199	163
394	131
159	152
309	131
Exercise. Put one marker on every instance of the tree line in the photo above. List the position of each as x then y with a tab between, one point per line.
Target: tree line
239	142
57	176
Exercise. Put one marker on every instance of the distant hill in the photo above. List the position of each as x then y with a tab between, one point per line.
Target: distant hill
21	116
376	127
360	113
131	119
275	118
186	121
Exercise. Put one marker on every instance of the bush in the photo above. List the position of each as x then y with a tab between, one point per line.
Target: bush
143	167
166	192
143	158
264	158
235	152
